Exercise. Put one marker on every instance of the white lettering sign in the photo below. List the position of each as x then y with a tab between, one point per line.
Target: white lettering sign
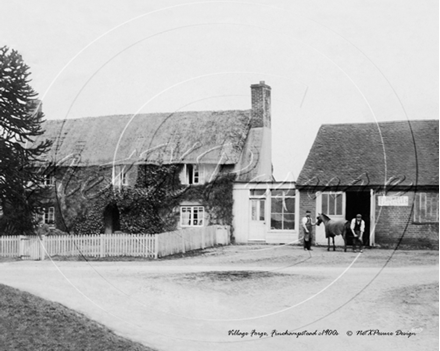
393	200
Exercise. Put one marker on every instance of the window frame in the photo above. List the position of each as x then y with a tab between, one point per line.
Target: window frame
193	174
47	216
49	180
119	176
192	208
420	215
283	213
337	194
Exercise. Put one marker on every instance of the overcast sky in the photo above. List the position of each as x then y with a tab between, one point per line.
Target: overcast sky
326	61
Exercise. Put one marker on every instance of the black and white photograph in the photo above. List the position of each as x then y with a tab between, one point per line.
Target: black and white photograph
219	175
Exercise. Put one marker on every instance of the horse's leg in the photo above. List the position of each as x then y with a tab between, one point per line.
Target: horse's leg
328	244
344	236
334	246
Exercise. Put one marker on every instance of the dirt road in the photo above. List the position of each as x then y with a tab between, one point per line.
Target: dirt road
252	298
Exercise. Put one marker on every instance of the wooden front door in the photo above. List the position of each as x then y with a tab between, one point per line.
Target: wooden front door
257	226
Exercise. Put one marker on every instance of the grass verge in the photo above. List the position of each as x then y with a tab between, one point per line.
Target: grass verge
28	322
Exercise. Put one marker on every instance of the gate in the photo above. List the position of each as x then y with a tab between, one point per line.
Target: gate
30	248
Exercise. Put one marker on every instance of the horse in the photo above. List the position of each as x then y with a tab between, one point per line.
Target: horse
333	228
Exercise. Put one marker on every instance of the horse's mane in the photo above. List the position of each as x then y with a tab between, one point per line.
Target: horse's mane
325	216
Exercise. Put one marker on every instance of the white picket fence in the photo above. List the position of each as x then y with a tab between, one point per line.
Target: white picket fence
102	245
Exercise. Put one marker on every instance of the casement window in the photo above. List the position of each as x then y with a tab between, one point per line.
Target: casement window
332	204
192	216
426	208
119	177
46	216
282	214
49	180
193	174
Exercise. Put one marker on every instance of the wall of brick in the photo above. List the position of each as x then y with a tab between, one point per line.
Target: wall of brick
395	223
261	106
307	201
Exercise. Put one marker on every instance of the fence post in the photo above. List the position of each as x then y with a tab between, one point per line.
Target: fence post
156	246
203	237
101	245
42	247
21	246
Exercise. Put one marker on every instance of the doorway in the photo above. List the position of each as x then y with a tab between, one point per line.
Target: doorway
359	202
257	225
111	219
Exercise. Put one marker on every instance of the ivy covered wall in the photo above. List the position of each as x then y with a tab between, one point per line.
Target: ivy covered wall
150	204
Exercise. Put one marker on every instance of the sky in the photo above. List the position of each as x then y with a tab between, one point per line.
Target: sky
337	61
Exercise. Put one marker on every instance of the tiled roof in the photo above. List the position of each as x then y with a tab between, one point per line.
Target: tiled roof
374	153
181	137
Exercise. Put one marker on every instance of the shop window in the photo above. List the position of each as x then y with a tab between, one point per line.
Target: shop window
282	216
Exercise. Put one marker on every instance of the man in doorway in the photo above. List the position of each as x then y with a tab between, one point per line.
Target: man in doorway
357	227
307	229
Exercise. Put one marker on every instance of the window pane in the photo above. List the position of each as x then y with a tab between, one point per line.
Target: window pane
185	216
196	174
196	217
51	215
262	202
277	205
199	213
283	192
276	221
423	207
325	203
258	192
254	210
289	205
289	221
339	204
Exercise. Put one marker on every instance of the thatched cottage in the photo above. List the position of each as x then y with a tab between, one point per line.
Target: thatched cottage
387	172
162	171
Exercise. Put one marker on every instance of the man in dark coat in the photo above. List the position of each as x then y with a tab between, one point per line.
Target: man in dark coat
357	227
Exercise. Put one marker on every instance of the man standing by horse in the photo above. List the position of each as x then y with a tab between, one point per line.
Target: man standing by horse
307	229
357	227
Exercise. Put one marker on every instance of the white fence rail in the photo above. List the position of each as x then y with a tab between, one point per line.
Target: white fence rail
192	239
102	245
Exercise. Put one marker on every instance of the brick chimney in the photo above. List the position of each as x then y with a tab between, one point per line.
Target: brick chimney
260	115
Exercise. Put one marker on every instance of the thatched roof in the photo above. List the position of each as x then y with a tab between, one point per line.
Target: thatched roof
405	150
181	137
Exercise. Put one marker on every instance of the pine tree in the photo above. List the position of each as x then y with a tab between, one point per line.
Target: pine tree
20	122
